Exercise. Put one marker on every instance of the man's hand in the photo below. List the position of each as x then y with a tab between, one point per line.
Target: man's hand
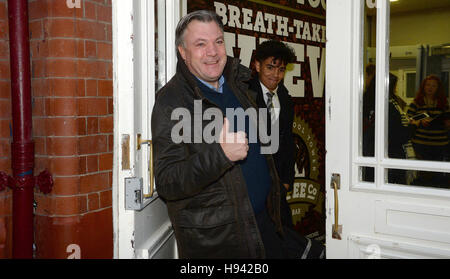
234	145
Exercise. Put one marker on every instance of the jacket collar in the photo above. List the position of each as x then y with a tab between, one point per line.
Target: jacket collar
234	73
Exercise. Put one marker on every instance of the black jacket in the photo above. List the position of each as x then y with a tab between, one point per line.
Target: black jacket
284	158
206	194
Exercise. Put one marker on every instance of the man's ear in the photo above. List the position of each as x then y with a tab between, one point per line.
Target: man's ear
182	52
257	66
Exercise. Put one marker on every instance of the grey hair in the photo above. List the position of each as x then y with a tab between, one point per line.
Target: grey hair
200	15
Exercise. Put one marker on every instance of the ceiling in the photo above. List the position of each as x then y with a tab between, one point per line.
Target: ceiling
417	5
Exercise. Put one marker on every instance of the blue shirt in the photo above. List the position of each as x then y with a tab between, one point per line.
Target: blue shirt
254	167
221	82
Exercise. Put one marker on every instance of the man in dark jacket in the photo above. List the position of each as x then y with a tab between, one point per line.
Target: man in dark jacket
271	60
223	197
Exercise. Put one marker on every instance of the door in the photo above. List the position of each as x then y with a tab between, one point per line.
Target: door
375	217
144	60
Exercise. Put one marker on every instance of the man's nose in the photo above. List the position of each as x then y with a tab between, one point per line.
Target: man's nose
211	49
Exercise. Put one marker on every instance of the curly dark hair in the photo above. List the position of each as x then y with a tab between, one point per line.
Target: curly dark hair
276	49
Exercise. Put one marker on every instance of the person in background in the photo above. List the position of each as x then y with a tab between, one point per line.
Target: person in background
399	131
368	121
431	137
271	60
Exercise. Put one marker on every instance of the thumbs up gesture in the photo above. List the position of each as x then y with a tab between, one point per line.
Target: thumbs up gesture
234	145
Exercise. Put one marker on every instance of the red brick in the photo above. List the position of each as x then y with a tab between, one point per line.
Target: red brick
4	29
79	49
4	50
105	161
5	204
104	13
110	143
93	69
62	146
44	204
60	28
110	106
39	126
90	10
62	106
105	88
92	106
92	163
5	148
94	182
36	29
62	48
104	51
41	163
65	87
58	8
3	10
5	89
93	201
105	199
92	125
93	144
61	68
5	165
40	145
82	127
70	205
39	49
40	87
4	128
90	30
62	126
66	185
38	68
37	10
5	108
39	106
64	165
109	32
91	87
90	49
83	164
4	70
106	124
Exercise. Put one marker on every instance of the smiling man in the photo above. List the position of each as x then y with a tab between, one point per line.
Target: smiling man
215	192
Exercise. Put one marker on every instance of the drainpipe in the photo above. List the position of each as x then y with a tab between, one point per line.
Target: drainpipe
22	147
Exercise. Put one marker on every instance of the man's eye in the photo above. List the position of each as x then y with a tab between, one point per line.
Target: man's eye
220	42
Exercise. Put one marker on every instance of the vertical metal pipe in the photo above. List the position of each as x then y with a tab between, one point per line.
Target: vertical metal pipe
22	147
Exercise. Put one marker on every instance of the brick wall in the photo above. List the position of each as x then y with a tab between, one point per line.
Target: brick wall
71	53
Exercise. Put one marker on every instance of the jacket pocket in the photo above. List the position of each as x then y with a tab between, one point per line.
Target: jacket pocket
208	217
209	233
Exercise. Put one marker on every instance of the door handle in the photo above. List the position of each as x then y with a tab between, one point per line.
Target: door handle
336	228
140	142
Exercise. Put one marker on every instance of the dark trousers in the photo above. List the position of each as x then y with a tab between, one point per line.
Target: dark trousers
291	245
